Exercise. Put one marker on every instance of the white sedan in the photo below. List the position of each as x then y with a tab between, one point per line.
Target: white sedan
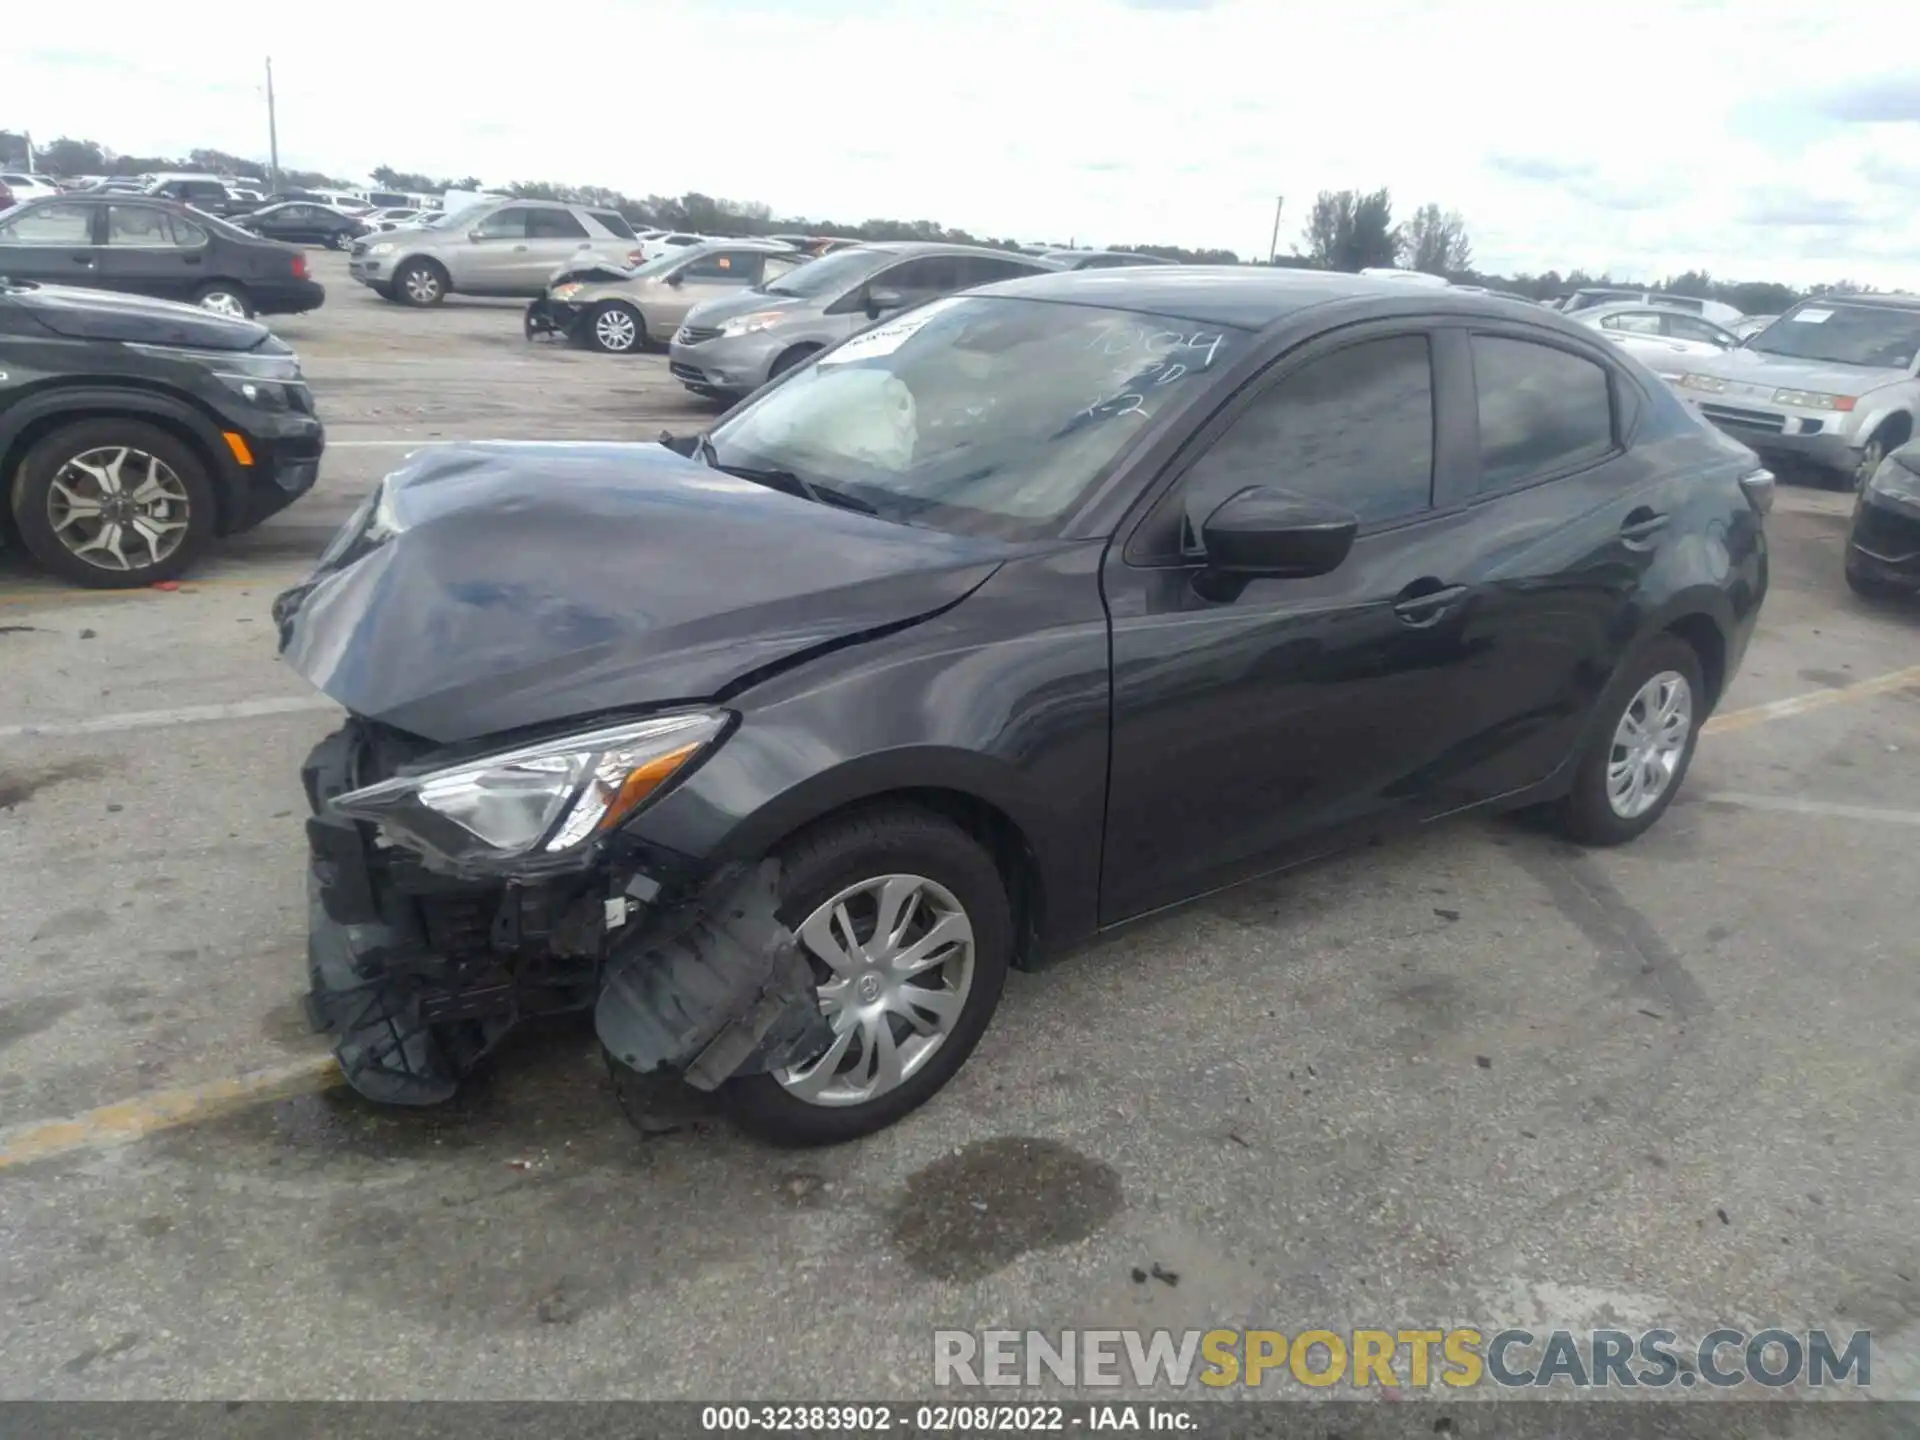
1665	340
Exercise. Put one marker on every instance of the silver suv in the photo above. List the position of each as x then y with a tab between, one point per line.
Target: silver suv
1834	383
507	248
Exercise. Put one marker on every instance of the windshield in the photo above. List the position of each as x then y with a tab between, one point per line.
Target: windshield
974	414
1885	339
829	275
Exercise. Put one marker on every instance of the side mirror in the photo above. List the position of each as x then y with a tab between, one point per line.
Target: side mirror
881	300
1264	532
475	235
677	279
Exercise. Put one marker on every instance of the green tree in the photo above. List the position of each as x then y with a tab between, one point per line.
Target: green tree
1349	230
67	156
1435	241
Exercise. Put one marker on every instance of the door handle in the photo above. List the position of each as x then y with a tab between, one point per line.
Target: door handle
1424	601
1641	525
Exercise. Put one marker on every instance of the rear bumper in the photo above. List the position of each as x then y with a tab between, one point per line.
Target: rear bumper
289	297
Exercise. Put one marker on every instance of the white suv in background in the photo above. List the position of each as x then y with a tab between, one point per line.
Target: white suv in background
506	247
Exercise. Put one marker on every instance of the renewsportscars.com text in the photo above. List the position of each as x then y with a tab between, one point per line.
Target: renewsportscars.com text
1457	1358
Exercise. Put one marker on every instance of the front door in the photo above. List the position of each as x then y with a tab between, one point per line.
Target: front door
1250	730
492	254
54	244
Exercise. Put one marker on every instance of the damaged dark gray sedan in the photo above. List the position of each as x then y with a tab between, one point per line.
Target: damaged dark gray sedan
1016	617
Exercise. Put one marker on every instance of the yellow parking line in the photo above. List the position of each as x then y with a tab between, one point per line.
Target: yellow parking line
129	1120
1753	715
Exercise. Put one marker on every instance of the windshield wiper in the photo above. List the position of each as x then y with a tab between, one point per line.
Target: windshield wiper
775	479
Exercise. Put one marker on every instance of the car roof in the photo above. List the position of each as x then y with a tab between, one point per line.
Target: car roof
941	247
1248	296
1877	302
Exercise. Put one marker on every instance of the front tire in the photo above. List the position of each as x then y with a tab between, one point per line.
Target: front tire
788	359
909	988
420	283
616	328
112	504
1648	725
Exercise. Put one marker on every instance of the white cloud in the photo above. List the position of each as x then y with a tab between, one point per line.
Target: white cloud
1643	136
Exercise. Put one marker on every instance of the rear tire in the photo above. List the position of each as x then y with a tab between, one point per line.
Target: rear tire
1593	812
224	297
177	520
847	851
420	283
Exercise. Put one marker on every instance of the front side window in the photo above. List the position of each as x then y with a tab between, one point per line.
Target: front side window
1354	428
1634	322
830	276
136	225
49	225
724	267
977	414
1543	411
984	270
502	225
922	279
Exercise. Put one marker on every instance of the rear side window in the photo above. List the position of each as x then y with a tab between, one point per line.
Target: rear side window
554	225
137	225
983	270
614	221
1543	411
186	234
1354	427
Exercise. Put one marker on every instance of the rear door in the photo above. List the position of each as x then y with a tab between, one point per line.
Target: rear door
142	256
53	243
555	236
1560	519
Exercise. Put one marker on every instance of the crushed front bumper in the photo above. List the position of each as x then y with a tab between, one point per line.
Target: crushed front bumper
418	975
549	319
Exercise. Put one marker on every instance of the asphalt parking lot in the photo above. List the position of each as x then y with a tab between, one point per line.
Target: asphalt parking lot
1471	1077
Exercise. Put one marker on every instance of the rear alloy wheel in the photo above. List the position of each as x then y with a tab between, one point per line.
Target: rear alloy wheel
1871	454
226	299
1649	723
905	921
617	328
420	283
112	504
339	240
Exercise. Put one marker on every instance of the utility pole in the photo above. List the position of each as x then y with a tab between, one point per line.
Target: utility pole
1273	250
273	137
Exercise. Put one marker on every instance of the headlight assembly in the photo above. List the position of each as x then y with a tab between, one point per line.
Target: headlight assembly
385	247
1813	400
539	807
1712	384
747	324
1895	480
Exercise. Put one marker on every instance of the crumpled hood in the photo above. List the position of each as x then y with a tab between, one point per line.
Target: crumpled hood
488	587
108	315
1775	372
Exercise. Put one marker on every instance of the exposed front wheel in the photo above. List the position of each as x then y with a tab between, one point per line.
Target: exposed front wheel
905	921
788	359
1648	724
617	328
1871	454
112	503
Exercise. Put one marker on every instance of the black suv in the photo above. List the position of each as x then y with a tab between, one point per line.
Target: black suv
133	431
161	248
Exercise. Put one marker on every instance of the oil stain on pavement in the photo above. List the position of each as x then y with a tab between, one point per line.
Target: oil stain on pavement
984	1205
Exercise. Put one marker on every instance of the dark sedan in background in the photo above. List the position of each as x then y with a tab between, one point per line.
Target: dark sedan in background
1883	543
159	248
1019	615
304	222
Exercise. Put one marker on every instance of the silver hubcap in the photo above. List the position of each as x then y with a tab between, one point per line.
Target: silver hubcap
615	329
422	285
894	960
1870	459
118	508
1648	744
223	303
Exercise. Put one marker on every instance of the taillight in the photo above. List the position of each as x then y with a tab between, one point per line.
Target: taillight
299	267
635	258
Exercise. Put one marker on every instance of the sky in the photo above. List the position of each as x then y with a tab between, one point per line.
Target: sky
1754	139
